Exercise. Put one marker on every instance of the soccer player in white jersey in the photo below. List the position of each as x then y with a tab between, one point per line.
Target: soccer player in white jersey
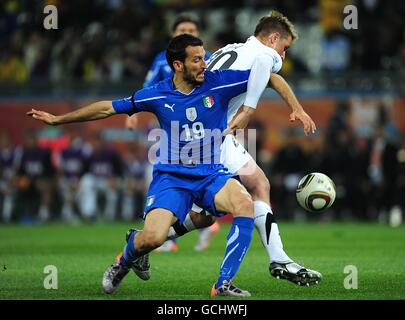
263	53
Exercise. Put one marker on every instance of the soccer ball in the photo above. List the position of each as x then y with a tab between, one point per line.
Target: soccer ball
316	192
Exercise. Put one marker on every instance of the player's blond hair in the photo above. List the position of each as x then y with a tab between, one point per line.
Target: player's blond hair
276	21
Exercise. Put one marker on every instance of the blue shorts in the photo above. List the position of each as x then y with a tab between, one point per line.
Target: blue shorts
177	190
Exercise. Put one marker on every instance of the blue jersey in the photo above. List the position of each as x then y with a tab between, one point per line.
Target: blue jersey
191	124
189	169
161	70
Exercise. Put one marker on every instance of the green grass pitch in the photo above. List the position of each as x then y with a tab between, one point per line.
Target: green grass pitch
81	254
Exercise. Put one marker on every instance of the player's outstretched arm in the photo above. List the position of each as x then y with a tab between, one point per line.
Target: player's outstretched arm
94	111
131	122
278	83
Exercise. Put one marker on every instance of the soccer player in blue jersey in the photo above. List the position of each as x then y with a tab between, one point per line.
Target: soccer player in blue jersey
192	110
160	70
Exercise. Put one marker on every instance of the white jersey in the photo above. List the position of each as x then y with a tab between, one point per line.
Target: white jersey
262	61
253	55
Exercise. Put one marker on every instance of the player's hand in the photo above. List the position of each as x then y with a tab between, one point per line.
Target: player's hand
131	122
309	124
42	116
240	120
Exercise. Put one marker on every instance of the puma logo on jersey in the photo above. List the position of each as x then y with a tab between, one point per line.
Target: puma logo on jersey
170	106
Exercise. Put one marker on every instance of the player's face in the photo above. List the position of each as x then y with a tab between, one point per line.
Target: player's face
194	65
282	44
185	28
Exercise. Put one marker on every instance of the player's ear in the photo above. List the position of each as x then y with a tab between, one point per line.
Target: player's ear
178	65
274	37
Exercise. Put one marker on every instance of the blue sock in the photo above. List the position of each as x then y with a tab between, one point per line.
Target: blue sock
239	238
129	254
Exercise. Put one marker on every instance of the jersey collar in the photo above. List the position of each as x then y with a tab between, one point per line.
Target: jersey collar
173	87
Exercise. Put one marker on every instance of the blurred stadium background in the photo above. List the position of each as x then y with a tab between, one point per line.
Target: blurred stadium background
352	82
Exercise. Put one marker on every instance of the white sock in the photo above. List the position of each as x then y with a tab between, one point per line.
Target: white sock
271	242
183	228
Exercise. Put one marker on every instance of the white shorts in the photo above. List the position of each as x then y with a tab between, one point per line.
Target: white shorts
233	156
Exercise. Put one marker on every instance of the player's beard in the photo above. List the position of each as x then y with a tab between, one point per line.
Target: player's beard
190	79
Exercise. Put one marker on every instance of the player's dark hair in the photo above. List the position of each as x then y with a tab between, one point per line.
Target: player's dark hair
176	50
184	18
275	21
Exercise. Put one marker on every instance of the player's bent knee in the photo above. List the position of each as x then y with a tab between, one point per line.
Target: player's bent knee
243	206
153	239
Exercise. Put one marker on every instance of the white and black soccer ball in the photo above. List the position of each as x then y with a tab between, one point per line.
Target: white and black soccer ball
316	192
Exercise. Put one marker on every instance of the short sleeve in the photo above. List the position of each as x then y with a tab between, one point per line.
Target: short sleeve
258	79
125	105
139	101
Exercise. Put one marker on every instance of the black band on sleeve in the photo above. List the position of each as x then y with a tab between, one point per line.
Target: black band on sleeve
133	102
